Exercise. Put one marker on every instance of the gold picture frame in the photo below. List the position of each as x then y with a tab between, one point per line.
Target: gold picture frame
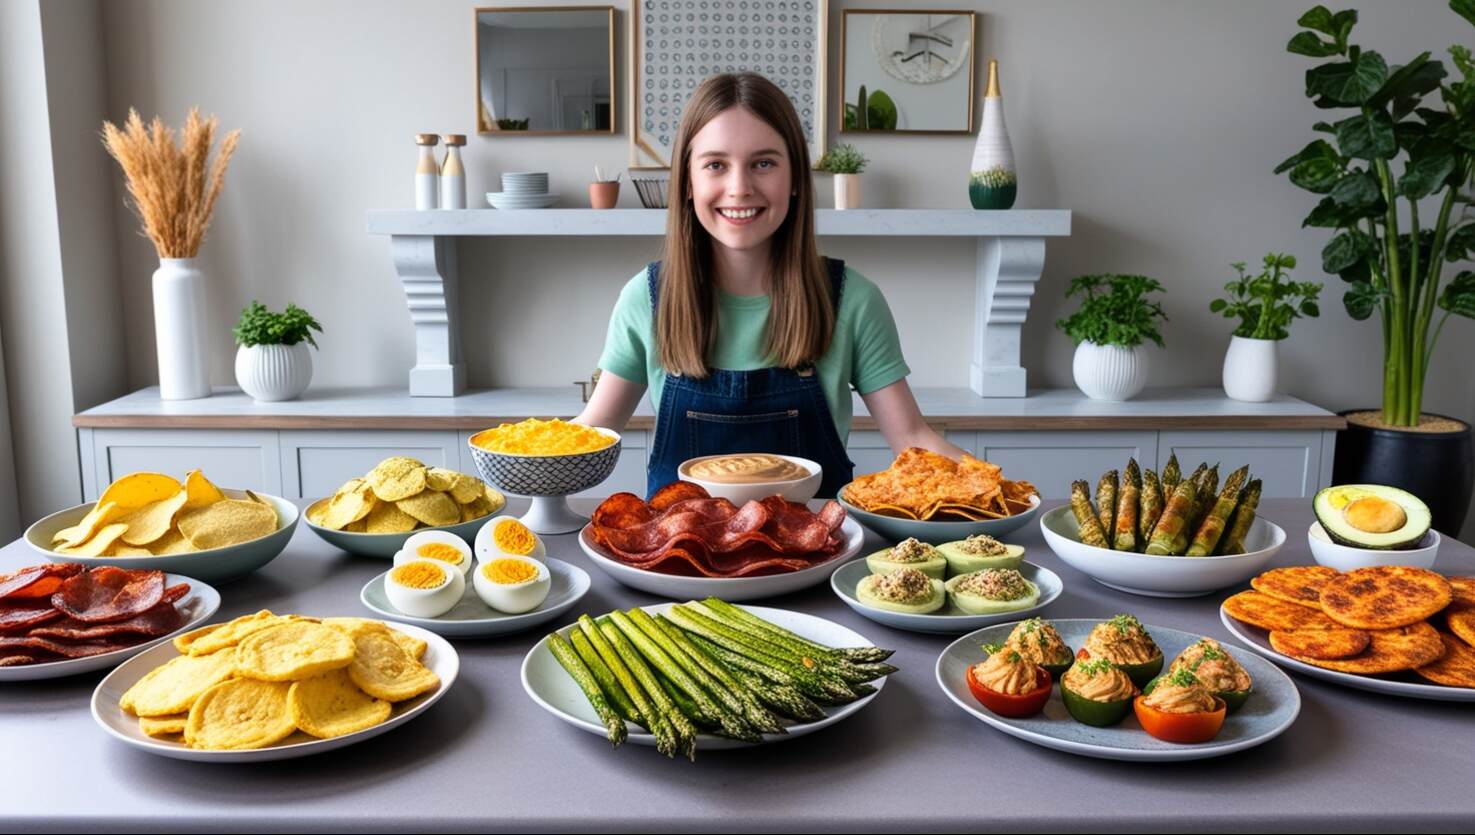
921	81
482	119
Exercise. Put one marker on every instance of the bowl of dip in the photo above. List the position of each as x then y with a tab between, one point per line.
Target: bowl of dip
745	476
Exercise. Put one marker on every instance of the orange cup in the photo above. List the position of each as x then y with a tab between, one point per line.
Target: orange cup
604	195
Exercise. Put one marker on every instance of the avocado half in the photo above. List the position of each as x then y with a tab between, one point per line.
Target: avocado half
934	566
975	604
959	562
865	594
1372	516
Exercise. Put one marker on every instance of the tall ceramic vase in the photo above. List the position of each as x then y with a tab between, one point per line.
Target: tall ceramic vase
991	182
179	330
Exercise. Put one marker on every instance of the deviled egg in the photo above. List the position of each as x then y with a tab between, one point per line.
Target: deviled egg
436	545
508	536
513	585
424	588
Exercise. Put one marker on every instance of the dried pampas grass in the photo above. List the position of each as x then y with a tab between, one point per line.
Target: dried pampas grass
172	188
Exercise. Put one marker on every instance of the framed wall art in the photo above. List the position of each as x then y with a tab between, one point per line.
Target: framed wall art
545	71
907	71
679	43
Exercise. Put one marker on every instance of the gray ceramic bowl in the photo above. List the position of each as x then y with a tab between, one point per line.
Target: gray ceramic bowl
385	545
546	475
217	565
935	533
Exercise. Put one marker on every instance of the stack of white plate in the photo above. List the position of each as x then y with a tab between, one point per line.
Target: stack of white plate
523	190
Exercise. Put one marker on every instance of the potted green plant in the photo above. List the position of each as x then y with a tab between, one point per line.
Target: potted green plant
1406	138
1265	305
272	362
845	162
1114	320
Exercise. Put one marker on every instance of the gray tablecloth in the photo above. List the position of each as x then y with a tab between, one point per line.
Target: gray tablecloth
486	757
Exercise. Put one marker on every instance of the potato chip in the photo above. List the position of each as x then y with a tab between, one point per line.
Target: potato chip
921	484
238	714
293	651
163	725
433	508
138	489
384	670
1390	651
361	526
352	502
1385	596
494	497
172	542
332	705
464	488
397	478
123	549
201	491
1295	584
414	646
98	544
386	517
228	522
102	513
316	511
174	686
188	639
153	520
1321	643
439	478
233	632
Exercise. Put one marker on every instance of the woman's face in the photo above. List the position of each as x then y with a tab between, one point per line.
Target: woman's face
741	179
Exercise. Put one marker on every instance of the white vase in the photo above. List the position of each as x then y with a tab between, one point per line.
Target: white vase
1110	372
992	183
847	191
274	372
179	330
1250	369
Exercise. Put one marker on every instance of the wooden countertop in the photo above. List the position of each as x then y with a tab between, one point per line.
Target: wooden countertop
947	409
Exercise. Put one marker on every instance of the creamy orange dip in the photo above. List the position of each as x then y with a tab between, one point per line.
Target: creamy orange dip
1213	666
1039	642
1181	693
1121	640
1007	672
746	468
1098	681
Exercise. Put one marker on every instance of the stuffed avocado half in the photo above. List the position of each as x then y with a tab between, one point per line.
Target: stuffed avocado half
978	552
1372	516
909	553
991	591
907	590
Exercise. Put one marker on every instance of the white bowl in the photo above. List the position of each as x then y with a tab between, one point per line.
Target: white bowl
1346	558
795	490
1156	576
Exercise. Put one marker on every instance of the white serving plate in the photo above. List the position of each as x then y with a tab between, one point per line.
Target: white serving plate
471	618
949	620
1273	704
1347	558
1259	640
731	589
551	687
439	656
1156	576
896	529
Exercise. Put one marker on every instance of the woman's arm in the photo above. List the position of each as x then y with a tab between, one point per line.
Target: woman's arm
612	403
900	421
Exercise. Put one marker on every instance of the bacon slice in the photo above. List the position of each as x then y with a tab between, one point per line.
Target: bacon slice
83	649
106	594
160	620
19	618
37	581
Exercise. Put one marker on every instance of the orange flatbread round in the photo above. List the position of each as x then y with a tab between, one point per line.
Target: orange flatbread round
1390	651
1321	643
1455	668
1462	623
1266	612
1464	592
1296	584
1385	596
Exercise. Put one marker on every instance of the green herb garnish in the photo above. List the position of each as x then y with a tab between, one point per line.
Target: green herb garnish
992	648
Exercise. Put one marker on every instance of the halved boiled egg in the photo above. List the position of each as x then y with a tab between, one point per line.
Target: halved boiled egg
508	536
424	588
512	584
437	545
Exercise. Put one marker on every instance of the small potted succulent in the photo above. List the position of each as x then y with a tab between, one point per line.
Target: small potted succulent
273	362
1114	319
845	162
1264	304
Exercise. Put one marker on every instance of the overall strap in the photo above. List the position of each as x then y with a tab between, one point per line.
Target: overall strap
837	281
653	281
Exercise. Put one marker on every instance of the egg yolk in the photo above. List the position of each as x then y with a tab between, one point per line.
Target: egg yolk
508	572
513	537
440	551
418	575
1375	515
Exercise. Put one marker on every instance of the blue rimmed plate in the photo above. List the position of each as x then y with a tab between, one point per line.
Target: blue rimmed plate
949	620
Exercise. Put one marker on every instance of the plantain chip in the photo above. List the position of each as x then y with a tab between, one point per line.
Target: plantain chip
293	651
332	705
239	714
434	509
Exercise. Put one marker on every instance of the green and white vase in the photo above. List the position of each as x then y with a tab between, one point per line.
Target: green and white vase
991	181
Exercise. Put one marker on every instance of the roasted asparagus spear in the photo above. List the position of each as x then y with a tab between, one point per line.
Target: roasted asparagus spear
1080	505
1106	490
1171	476
1151	507
1168	536
1212	528
1208	488
1233	541
1127	508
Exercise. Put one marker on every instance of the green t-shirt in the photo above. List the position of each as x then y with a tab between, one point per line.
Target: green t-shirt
865	353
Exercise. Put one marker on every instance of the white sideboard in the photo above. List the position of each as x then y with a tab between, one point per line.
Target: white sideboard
306	448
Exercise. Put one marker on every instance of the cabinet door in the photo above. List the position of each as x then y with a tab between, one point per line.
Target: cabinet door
316	463
1052	460
1287	462
628	475
244	459
869	452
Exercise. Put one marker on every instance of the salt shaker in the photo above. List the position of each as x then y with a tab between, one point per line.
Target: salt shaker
453	174
427	173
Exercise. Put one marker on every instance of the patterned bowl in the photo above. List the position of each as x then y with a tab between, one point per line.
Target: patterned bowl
546	475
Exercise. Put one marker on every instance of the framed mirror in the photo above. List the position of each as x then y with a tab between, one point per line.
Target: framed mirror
907	71
545	70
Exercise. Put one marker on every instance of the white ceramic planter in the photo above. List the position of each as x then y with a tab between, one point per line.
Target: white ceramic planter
1250	369
179	330
274	372
1110	372
847	191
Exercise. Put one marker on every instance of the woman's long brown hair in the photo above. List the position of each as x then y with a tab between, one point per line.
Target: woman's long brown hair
801	316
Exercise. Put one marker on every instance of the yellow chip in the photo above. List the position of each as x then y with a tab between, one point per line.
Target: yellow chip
293	651
98	544
316	511
240	713
122	549
397	478
384	670
361	526
172	542
138	489
101	514
255	498
233	632
228	522
188	639
470	511
464	488
440	478
352	502
163	725
351	626
332	705
201	491
386	517
432	508
153	520
174	686
493	497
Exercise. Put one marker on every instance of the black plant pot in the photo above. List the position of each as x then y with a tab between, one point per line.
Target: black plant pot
1438	467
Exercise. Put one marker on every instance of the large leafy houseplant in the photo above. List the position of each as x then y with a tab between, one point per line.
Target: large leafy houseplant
1417	118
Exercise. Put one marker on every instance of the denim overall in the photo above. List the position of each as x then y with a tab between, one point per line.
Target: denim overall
774	410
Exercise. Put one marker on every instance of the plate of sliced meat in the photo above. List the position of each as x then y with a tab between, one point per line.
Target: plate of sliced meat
62	619
683	543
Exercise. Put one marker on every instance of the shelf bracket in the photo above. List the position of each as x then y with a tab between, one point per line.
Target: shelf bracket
426	266
1008	270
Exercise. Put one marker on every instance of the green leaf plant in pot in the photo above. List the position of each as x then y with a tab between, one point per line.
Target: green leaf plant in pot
1114	320
1394	175
1265	305
845	162
272	362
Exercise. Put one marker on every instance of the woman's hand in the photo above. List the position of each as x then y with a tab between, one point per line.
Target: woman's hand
900	421
612	403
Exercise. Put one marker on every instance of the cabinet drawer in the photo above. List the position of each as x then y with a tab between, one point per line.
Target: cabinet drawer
1052	460
239	458
1288	463
316	463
